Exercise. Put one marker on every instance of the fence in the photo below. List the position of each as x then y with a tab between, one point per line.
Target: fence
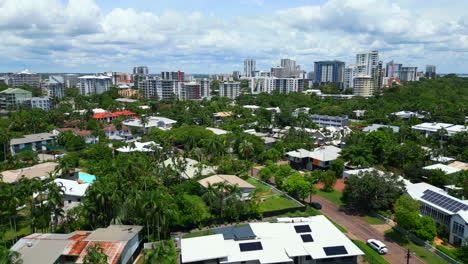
426	245
381	217
278	191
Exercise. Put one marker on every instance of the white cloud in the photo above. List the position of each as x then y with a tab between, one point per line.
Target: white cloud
79	36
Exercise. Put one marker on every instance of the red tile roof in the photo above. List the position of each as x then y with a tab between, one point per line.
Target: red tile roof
112	115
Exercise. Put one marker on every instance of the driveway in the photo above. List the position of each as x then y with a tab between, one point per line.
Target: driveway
359	229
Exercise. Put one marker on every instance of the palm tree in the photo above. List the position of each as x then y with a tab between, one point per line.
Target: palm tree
5	140
55	195
245	148
358	156
10	257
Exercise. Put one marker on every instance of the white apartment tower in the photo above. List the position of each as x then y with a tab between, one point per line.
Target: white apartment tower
91	84
229	89
249	67
56	86
369	60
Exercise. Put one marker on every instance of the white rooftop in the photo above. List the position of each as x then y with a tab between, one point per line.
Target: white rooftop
98	77
251	106
151	121
431	127
218	131
445	168
72	188
140	146
324	153
280	243
192	167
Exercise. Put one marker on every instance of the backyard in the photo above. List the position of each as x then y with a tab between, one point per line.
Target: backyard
269	200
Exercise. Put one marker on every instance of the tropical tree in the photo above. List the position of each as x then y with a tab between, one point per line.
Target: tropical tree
9	256
358	155
297	186
95	255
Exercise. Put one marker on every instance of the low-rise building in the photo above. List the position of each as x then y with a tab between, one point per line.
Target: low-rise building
42	102
9	97
443	208
150	122
245	187
31	142
123	134
108	117
291	240
375	127
120	243
188	168
319	158
149	146
39	171
87	135
445	168
218	131
433	128
325	120
405	115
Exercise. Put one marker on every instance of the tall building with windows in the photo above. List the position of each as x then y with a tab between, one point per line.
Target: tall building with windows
430	71
229	89
162	89
369	60
249	67
349	73
190	91
363	85
393	70
42	102
71	80
329	72
289	67
204	87
24	78
140	70
10	97
282	85
56	86
173	76
236	75
408	74
91	84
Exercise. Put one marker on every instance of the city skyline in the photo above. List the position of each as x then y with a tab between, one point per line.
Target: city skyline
206	36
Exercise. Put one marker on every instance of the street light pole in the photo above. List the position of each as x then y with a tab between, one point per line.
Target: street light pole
408	256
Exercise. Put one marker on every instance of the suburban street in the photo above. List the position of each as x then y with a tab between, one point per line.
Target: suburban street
357	228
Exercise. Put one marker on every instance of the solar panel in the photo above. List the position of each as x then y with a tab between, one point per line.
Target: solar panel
307	238
332	251
444	201
252	246
302	228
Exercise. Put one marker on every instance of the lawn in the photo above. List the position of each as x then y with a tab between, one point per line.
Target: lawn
262	188
372	220
333	196
420	251
275	202
199	234
370	255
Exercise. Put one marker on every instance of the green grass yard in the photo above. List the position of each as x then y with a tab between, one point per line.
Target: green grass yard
371	255
420	251
372	220
333	196
270	201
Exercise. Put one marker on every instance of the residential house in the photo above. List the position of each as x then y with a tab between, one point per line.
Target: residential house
445	168
269	141
376	127
433	128
120	243
31	142
443	208
150	146
319	158
87	135
405	115
74	191
188	168
150	122
245	187
220	115
311	240
349	173
218	131
108	117
123	133
39	171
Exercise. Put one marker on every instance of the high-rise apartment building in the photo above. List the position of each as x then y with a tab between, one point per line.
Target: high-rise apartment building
408	74
430	71
71	80
363	85
229	89
249	67
141	70
369	60
162	89
174	76
282	85
393	70
350	72
204	87
236	75
91	84
56	86
289	66
190	91
24	78
278	72
329	72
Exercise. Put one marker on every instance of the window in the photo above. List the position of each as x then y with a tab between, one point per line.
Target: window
308	258
69	201
458	229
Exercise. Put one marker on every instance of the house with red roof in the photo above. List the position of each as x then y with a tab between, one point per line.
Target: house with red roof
108	116
87	135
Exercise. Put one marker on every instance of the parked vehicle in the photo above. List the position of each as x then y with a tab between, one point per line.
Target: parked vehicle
316	205
377	245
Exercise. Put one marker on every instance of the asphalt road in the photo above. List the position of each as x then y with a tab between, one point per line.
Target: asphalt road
358	228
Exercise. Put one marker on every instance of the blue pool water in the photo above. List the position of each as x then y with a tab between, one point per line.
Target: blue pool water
86	177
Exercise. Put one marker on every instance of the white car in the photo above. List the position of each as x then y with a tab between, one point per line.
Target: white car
377	245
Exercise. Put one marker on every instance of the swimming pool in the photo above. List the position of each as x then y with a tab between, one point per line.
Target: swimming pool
86	177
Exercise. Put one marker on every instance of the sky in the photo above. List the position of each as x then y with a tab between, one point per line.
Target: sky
215	36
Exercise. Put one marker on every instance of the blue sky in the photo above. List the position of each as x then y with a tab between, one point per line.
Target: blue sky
207	36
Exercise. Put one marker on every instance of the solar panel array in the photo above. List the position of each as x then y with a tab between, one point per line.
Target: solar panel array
250	246
444	201
302	228
332	251
307	238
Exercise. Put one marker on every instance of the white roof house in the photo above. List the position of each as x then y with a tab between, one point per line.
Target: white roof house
407	114
151	121
349	173
445	168
323	153
253	107
375	127
312	237
192	167
140	147
218	131
434	127
73	188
